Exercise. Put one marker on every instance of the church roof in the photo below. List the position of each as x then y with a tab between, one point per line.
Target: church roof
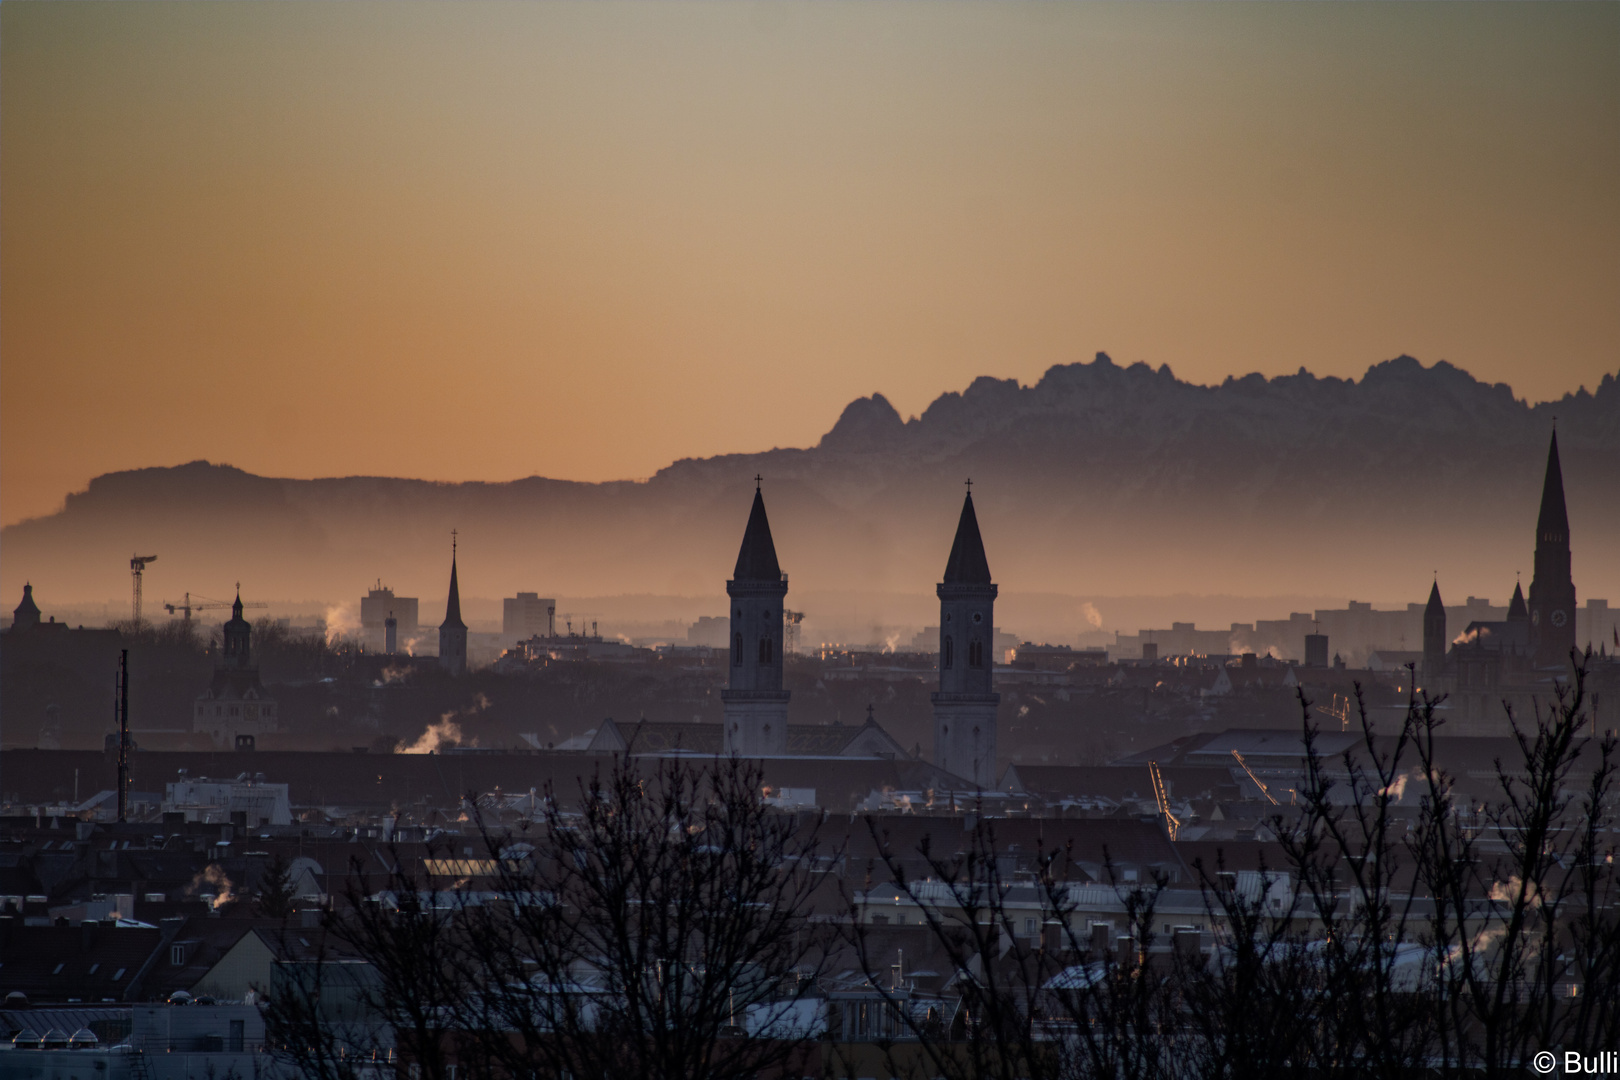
1434	601
1516	606
1553	522
452	609
27	607
967	564
234	684
756	560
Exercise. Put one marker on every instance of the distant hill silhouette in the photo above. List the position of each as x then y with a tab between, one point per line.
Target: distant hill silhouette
1098	479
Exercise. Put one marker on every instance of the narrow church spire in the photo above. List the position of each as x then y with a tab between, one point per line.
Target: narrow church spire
756	560
1552	585
452	610
1435	603
967	564
1552	525
453	632
1517	610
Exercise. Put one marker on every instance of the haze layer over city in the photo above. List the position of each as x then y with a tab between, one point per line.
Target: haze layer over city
1036	539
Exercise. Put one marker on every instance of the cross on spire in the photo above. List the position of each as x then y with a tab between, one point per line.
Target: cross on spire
970	483
758	479
452	543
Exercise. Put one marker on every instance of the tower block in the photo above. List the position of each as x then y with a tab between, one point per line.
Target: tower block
965	706
756	706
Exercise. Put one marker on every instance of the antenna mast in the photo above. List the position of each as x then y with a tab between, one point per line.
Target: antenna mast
122	708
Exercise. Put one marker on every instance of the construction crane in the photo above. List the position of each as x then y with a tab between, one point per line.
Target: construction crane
137	563
203	603
1257	782
1172	824
1339	710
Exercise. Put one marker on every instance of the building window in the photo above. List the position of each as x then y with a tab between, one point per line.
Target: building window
736	651
948	654
976	654
764	650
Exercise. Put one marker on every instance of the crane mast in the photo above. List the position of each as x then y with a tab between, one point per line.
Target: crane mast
1172	824
137	563
1257	781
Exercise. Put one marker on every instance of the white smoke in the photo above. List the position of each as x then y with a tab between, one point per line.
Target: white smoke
342	621
1092	616
446	731
214	875
441	733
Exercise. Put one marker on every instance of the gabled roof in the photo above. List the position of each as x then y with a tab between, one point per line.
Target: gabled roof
967	564
756	560
1552	525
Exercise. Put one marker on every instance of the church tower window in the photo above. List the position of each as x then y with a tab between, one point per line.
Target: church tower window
736	650
765	650
950	651
976	654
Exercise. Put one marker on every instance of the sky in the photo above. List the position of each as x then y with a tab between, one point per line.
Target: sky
487	241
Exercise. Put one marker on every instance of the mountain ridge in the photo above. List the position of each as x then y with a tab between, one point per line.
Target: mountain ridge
1095	478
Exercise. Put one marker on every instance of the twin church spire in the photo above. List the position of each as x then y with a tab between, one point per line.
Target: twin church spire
756	702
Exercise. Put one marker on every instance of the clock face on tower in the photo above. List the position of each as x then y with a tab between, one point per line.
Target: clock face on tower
1559	618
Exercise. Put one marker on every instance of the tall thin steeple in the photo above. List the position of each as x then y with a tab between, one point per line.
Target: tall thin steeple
1434	634
755	704
453	632
965	706
1552	586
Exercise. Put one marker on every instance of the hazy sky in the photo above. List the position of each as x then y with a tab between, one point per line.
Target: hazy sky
464	241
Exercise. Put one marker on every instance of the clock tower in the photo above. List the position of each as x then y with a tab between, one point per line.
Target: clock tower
1552	588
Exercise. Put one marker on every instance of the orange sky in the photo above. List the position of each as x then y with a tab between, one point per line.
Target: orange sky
487	241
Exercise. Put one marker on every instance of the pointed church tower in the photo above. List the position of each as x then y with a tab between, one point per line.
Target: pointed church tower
237	653
453	632
1434	635
1552	588
965	706
755	704
1516	630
